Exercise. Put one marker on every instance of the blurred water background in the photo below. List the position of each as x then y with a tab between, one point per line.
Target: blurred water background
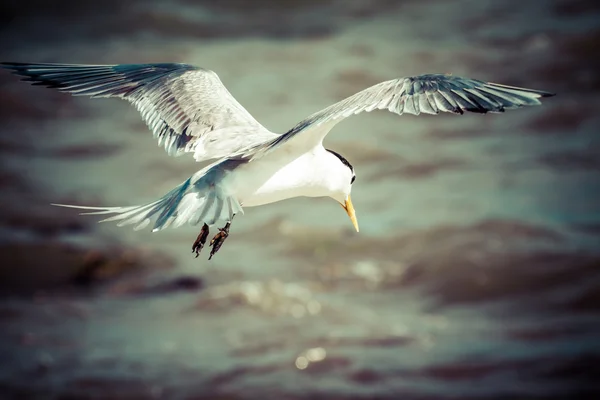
476	274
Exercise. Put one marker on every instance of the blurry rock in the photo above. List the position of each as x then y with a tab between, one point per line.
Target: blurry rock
421	170
27	267
183	283
22	104
566	117
41	219
576	58
97	266
50	266
572	160
588	228
137	286
574	8
83	151
15	106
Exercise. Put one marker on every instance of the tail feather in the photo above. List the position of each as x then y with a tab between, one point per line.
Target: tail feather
191	203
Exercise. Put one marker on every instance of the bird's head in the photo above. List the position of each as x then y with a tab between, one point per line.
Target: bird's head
341	184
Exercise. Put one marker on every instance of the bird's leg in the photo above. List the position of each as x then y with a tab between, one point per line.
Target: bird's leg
200	240
219	238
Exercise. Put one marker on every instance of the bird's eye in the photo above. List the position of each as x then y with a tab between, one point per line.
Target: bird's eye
353	178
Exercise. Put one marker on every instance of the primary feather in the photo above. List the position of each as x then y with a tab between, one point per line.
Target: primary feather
429	94
187	108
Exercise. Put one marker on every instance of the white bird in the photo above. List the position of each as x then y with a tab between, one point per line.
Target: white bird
189	110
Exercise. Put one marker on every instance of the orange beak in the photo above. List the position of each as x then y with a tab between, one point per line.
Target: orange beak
351	213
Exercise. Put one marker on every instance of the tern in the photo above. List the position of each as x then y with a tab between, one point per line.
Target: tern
189	110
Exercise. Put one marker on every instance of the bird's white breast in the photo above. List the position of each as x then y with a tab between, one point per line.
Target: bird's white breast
280	175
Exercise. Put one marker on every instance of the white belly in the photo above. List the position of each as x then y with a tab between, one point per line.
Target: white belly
277	176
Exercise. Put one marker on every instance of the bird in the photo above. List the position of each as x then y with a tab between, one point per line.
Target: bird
190	111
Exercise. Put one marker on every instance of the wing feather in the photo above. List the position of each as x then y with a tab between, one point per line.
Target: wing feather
428	94
181	104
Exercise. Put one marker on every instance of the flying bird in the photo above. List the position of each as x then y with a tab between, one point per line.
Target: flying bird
189	110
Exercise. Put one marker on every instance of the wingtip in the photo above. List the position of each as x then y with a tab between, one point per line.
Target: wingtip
12	65
8	66
65	205
78	207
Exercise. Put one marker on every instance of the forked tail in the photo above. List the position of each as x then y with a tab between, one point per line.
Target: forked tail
192	202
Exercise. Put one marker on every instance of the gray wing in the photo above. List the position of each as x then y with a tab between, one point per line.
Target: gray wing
187	108
429	94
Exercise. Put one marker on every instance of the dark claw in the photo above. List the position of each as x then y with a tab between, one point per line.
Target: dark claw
218	240
200	240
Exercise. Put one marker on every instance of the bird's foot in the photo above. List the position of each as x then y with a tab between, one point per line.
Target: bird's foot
218	240
200	240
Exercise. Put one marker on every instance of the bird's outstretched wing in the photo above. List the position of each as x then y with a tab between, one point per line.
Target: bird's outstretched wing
187	108
429	94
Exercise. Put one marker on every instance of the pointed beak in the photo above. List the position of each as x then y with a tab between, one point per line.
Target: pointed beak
351	213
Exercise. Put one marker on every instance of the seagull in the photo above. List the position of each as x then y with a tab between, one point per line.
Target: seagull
189	110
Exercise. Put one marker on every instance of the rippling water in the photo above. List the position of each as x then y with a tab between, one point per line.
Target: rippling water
476	272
